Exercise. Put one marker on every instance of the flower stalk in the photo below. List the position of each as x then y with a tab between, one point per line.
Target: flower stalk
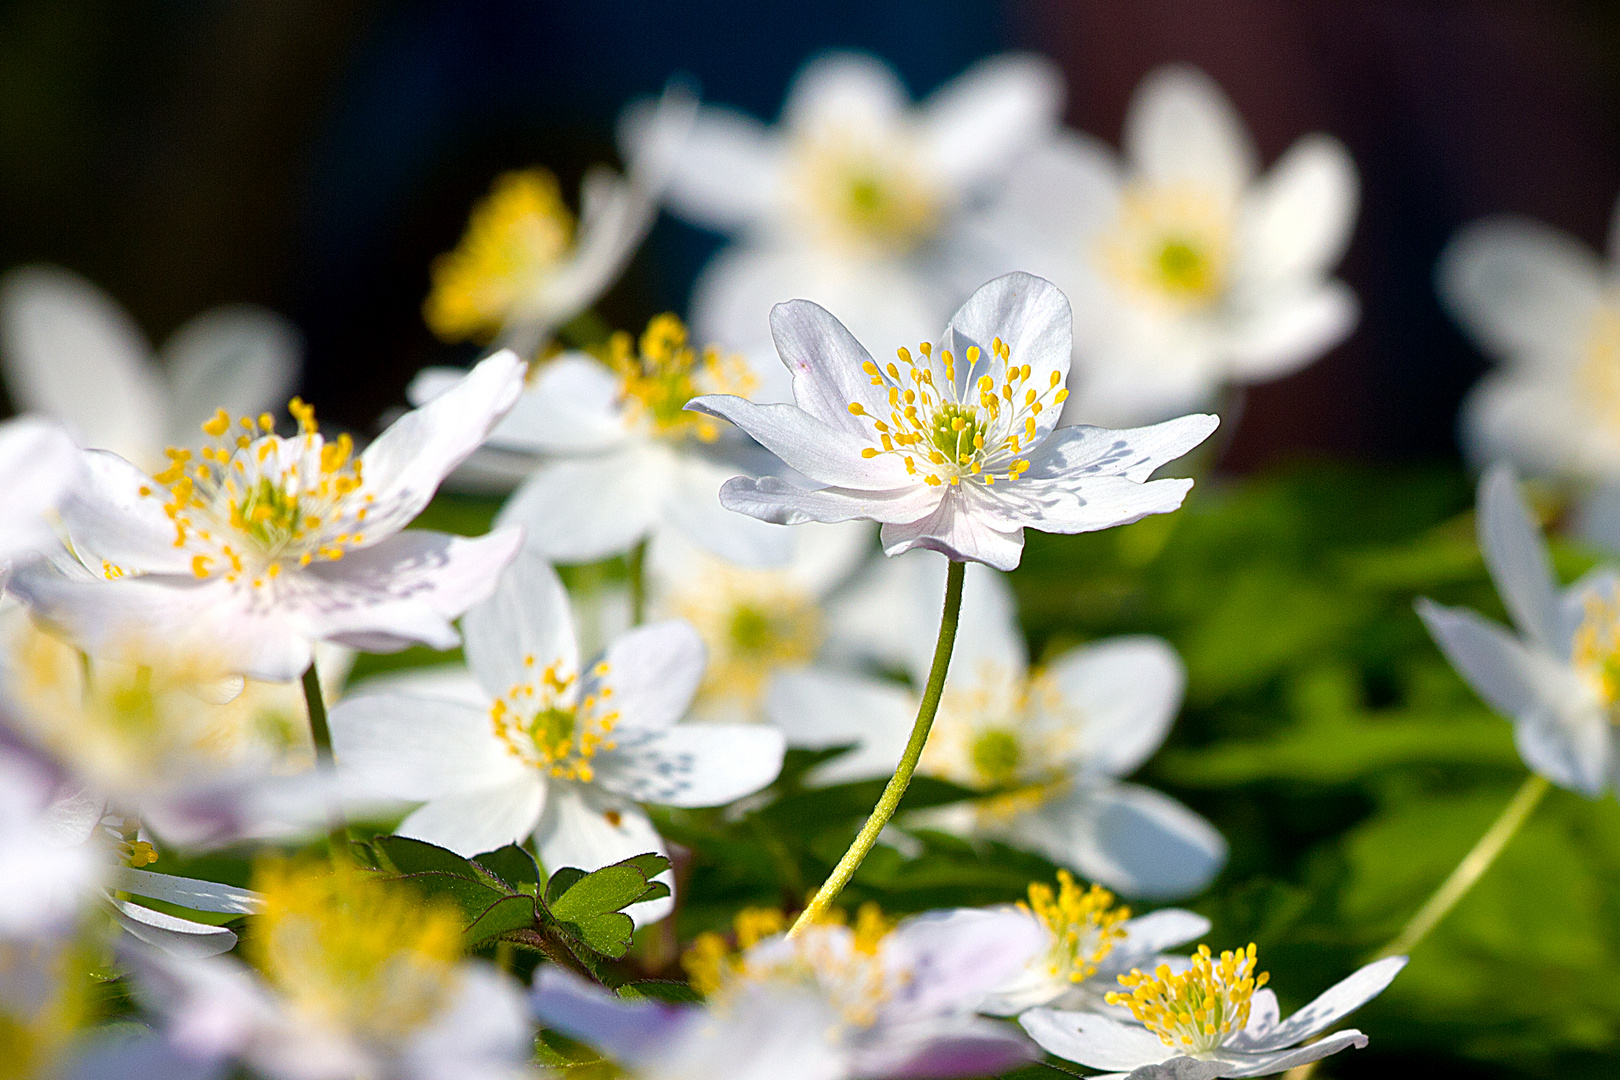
895	790
321	734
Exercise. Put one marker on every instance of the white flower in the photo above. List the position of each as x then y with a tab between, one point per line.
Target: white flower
524	267
49	868
39	463
957	449
1186	270
1236	1032
1558	678
69	351
356	977
849	199
1547	309
262	545
545	747
834	1002
1051	744
1089	944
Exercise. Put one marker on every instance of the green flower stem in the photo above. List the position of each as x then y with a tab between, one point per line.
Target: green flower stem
321	734
637	562
896	788
1470	870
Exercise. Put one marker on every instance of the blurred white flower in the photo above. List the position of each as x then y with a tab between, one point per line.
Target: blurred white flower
957	449
39	464
1187	272
1208	1021
1090	942
69	351
1558	678
832	1003
356	976
524	267
50	868
1050	744
1546	308
849	200
261	545
540	746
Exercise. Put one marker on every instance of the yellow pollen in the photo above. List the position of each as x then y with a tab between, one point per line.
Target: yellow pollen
1084	924
1595	650
662	372
1193	1012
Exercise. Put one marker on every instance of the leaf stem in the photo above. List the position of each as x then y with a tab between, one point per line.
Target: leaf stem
896	787
321	734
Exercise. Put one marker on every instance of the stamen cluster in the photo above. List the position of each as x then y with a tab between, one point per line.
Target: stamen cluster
1170	244
543	722
1193	1012
1595	650
662	372
1085	925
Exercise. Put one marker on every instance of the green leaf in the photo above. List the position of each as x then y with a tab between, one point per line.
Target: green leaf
608	889
606	932
507	913
512	865
664	990
561	882
410	856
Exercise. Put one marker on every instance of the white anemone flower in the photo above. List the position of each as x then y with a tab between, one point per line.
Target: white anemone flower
1558	678
67	350
1546	308
1050	744
1090	942
849	201
1210	1020
1187	271
262	545
958	448
525	267
833	1002
39	463
540	746
355	976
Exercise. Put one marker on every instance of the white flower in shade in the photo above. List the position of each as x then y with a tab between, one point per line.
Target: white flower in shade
1210	1020
1050	745
69	351
356	976
1546	308
832	1003
525	267
546	748
850	199
613	458
39	463
1187	271
1090	942
1558	677
261	545
958	448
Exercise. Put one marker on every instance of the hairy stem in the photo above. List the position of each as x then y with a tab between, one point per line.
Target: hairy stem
321	734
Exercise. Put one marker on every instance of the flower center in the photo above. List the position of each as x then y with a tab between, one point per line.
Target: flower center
353	951
1599	374
516	237
754	622
1083	922
1170	245
946	431
1595	650
543	722
1195	1011
254	500
662	372
996	755
864	197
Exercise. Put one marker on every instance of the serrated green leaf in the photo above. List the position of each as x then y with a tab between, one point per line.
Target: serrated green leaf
608	889
650	864
411	856
561	882
507	913
605	932
473	897
512	865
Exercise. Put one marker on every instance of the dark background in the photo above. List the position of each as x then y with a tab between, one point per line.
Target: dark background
314	155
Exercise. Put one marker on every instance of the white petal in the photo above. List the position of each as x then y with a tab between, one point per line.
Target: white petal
653	671
1094	1040
239	358
472	822
1131	838
1120	697
816	709
523	628
632	1032
1031	317
775	500
943	1046
842	88
692	506
727	175
1133	453
808	445
1517	557
960	528
72	353
483	1030
1160	930
1298	219
187	892
588	509
958	956
588	830
1082	504
572	408
184	938
417	748
1268	1064
1000	107
1055	202
110	519
691	764
40	465
404	465
828	367
1334	1003
1291	329
1182	128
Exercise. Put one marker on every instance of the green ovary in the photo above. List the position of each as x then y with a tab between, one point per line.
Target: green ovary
955	432
996	756
1183	267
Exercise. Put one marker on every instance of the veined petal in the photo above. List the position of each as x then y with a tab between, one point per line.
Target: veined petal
691	764
1032	318
1094	1040
418	748
1130	838
960	529
524	626
1182	128
653	672
1517	557
1001	106
1338	1001
772	499
588	829
1121	696
472	822
807	444
1300	215
116	515
1086	505
828	366
816	709
240	358
1133	453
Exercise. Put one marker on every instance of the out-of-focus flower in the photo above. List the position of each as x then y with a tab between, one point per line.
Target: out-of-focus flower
1547	309
956	449
69	351
38	465
1090	943
524	267
1209	1020
1558	678
1048	745
356	976
543	747
50	869
1186	271
849	200
617	458
833	1002
261	545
